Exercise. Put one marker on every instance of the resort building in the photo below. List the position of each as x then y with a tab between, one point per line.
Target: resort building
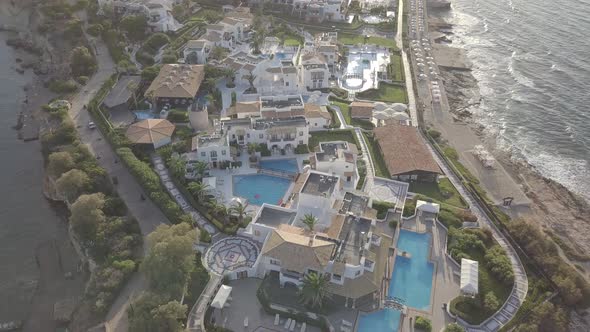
197	51
158	12
210	149
154	132
278	134
405	154
176	85
317	11
244	109
318	117
395	114
272	107
337	158
313	71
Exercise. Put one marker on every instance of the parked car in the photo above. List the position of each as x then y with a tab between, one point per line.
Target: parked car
91	125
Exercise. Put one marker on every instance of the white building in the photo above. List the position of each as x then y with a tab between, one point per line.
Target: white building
313	71
210	149
197	51
158	12
281	106
318	117
277	134
337	158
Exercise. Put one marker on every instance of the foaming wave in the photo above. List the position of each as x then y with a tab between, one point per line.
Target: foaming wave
518	76
573	173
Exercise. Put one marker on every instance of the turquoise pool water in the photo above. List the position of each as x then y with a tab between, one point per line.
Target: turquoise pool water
411	281
288	165
143	115
260	188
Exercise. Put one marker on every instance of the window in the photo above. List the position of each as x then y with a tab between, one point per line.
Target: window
233	136
336	277
223	152
203	154
300	142
300	133
248	135
315	124
275	262
213	153
357	273
261	136
286	83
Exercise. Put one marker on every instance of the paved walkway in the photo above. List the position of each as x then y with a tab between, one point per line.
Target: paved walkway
340	117
406	64
519	291
366	156
162	171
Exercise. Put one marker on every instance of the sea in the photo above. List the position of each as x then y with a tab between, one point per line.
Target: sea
531	59
26	217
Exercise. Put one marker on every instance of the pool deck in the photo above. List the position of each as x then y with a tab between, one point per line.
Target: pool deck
445	283
225	177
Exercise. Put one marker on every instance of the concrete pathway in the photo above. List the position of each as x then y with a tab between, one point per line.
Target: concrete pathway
343	124
519	291
366	156
162	171
406	64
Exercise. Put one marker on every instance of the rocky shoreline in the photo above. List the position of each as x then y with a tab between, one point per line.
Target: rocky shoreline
553	206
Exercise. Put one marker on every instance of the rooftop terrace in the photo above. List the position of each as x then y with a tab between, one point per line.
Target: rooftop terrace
320	184
273	217
281	102
353	236
260	124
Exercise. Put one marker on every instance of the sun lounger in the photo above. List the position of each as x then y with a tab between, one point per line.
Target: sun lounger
303	327
288	323
277	319
345	329
246	321
292	327
346	323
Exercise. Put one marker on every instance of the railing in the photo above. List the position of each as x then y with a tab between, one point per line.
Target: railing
278	173
196	317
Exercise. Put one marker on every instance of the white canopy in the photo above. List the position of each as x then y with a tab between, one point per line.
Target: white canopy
211	182
427	207
221	297
469	276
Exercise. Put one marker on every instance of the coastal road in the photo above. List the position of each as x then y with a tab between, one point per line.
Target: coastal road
148	215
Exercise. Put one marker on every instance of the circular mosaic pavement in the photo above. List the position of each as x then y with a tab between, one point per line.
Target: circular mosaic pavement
231	254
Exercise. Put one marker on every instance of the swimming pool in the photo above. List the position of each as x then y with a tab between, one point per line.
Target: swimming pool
288	165
143	115
260	188
411	281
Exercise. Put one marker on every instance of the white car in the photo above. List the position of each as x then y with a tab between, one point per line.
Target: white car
91	125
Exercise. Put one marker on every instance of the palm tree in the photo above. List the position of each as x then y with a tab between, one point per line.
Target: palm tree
218	209
314	290
201	167
310	221
239	209
198	190
177	166
230	74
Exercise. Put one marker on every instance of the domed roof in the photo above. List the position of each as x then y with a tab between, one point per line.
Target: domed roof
399	107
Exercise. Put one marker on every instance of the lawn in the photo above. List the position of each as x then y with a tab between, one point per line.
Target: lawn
443	191
335	121
290	41
395	69
388	93
380	166
344	109
354	39
332	135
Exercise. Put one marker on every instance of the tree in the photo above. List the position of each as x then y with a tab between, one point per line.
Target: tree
198	190
132	86
252	147
423	324
59	163
251	78
134	26
170	258
201	167
218	53
314	290
454	327
71	184
310	221
569	290
149	73
177	166
218	209
491	302
87	215
230	74
239	209
82	63
150	313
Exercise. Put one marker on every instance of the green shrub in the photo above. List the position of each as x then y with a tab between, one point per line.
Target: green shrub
155	42
178	116
301	149
382	208
499	264
393	224
82	80
204	236
454	327
61	87
95	29
115	206
423	324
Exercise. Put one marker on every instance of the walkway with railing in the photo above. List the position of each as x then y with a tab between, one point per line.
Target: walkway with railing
196	317
520	288
278	173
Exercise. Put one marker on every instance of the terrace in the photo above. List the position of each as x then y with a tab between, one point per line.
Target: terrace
353	237
260	124
273	217
320	185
